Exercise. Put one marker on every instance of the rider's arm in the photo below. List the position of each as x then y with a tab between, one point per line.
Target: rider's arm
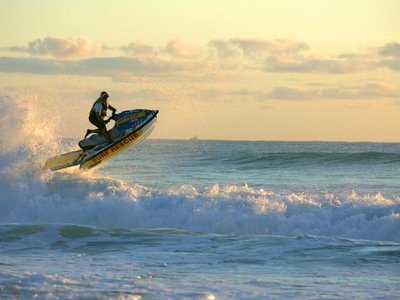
112	108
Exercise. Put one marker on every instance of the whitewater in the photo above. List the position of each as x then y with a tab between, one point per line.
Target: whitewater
175	219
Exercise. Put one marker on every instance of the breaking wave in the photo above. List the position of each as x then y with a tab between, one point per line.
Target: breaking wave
229	209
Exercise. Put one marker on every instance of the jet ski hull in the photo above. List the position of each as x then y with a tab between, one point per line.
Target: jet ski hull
116	147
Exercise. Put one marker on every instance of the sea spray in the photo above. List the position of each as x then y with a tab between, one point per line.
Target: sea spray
28	121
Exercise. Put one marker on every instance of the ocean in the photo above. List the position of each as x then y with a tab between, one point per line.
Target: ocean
175	219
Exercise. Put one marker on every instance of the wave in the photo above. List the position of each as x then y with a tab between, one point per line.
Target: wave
229	209
294	159
297	249
70	261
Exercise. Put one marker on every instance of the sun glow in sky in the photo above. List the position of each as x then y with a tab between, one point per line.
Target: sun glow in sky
227	69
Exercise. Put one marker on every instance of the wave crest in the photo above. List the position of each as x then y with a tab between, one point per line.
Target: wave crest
229	209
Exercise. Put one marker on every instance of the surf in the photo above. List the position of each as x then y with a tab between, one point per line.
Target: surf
220	209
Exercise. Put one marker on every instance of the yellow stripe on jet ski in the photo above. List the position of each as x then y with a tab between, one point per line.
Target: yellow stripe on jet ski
110	152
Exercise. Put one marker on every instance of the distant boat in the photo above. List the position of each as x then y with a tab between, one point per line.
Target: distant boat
195	138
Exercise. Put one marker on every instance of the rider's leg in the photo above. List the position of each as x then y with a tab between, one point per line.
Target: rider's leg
106	134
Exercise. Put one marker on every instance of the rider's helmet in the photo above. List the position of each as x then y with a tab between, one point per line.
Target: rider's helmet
104	94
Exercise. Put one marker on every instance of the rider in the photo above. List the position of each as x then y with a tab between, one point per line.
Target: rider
97	115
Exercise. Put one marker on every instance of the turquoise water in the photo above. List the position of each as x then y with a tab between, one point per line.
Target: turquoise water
204	220
272	164
69	261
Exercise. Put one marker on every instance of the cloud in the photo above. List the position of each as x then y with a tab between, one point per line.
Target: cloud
223	49
289	56
175	49
99	66
182	49
16	49
60	48
302	64
255	47
390	56
367	91
391	50
30	65
138	48
81	56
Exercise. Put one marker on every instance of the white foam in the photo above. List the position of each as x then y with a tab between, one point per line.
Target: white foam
230	209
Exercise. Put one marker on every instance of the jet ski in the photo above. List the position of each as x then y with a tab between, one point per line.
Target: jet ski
131	128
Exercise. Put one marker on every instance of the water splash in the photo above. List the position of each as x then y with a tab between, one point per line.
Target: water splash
27	121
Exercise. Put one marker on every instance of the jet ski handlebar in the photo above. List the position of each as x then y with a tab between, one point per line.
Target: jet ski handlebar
110	118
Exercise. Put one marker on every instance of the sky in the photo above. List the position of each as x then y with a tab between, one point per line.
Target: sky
295	70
